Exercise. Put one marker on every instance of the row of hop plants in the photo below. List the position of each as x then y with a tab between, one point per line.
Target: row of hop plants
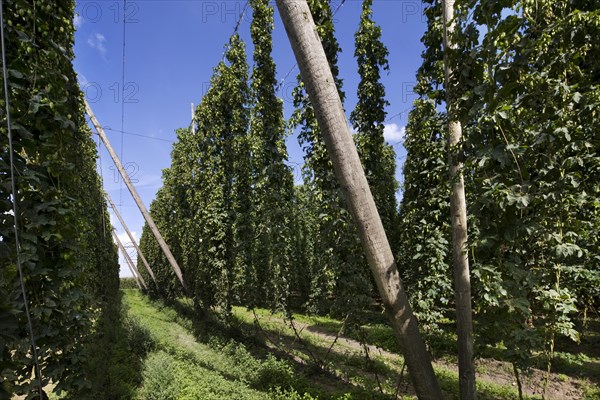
243	233
528	104
528	101
67	256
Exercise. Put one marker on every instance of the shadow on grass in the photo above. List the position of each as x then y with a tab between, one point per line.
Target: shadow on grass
441	343
309	377
571	358
116	351
343	370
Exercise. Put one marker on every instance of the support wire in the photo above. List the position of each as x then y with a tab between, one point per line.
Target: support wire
15	206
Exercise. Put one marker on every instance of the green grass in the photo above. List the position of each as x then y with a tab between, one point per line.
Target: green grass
199	356
182	368
351	363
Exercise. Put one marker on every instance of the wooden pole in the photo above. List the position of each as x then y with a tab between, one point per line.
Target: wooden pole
137	248
130	262
134	272
458	214
137	281
329	111
161	242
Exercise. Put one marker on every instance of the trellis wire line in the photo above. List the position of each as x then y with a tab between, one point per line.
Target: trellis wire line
235	30
237	25
123	96
296	64
13	188
107	128
241	17
278	87
399	114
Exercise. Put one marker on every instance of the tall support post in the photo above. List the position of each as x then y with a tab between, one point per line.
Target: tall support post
161	242
136	274
137	281
137	248
325	99
458	211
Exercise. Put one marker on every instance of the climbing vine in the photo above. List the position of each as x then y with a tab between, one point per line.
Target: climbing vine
531	166
424	247
272	179
339	275
537	80
66	250
368	117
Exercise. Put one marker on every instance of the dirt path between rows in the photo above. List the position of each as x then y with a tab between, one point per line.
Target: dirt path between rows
493	371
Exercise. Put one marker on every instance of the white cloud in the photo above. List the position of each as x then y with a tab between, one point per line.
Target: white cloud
124	238
97	41
126	242
350	127
77	20
393	133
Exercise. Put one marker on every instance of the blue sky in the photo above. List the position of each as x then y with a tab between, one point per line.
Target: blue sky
171	48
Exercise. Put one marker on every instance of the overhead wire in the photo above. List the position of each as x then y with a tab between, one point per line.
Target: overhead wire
241	17
296	64
15	197
107	128
281	83
399	114
286	76
235	30
237	26
123	97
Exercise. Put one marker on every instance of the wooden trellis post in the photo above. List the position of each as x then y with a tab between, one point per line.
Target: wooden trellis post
458	213
137	248
161	242
136	274
324	97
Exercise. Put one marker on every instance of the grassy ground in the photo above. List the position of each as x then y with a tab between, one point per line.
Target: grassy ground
180	366
170	353
575	376
260	355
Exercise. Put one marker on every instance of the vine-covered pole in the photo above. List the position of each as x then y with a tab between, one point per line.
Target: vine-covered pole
137	248
136	274
327	104
458	211
163	245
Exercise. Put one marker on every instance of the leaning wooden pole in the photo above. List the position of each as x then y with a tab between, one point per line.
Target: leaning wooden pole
161	242
458	211
136	274
137	248
325	99
135	277
137	281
